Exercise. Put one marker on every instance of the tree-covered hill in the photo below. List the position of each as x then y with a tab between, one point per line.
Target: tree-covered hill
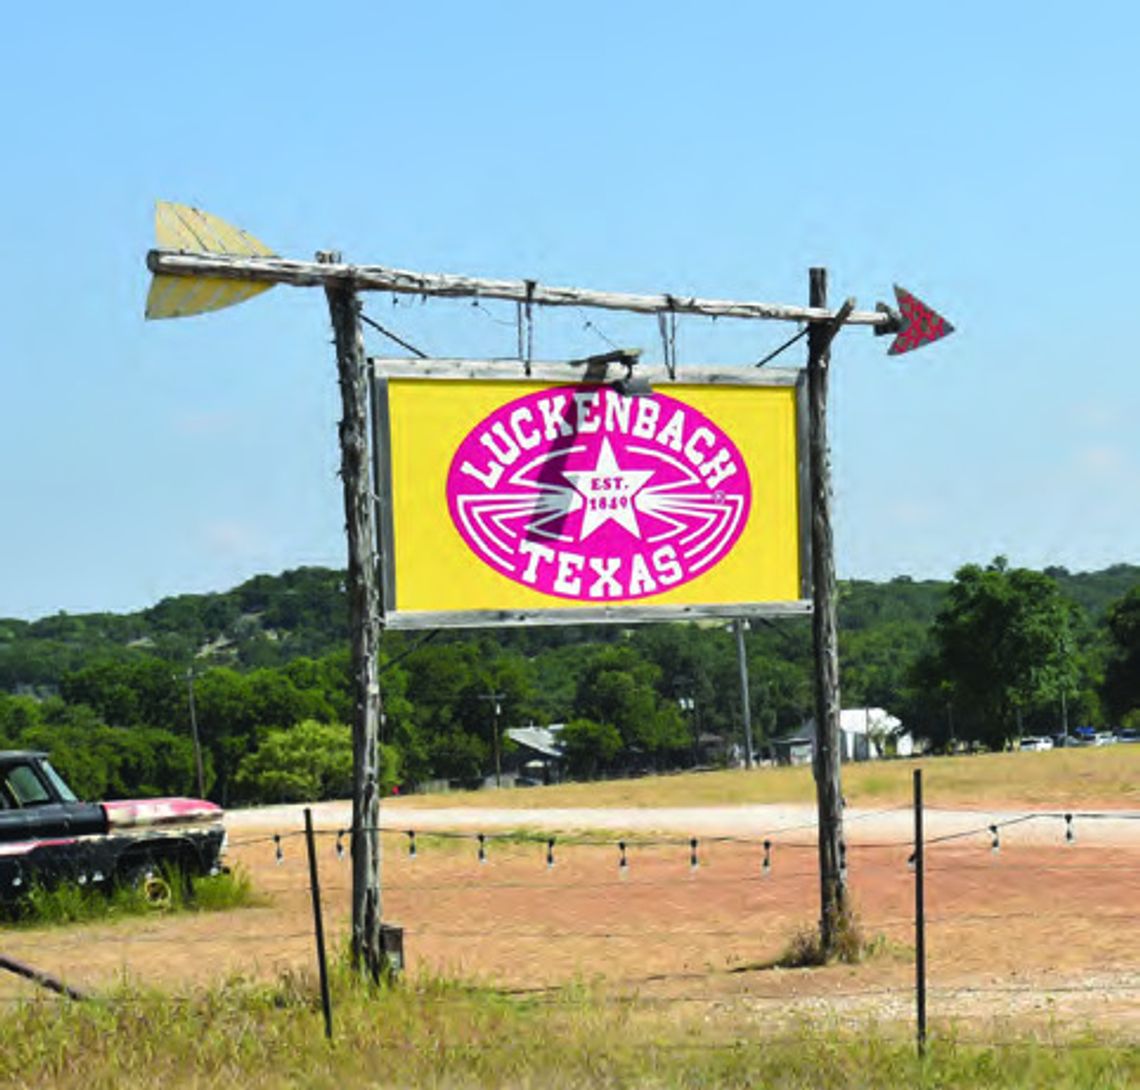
1096	591
271	619
266	621
264	666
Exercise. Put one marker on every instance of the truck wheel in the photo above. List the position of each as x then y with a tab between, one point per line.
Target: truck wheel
150	880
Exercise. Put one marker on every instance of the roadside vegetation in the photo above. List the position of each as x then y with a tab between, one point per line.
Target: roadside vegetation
439	1034
169	892
996	654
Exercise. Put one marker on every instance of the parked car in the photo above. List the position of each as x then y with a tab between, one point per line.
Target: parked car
1128	734
1084	736
1104	738
1036	743
48	836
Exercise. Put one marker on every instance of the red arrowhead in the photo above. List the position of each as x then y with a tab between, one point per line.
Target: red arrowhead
920	324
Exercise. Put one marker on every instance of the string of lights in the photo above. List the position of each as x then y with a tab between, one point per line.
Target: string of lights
626	843
754	928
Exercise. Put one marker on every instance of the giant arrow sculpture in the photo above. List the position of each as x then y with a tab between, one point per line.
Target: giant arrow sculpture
203	263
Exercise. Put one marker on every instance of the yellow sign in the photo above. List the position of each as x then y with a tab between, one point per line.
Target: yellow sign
510	499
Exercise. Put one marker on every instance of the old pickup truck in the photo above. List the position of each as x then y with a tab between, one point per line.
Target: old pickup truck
48	836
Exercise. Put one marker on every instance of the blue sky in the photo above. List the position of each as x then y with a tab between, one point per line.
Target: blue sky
983	155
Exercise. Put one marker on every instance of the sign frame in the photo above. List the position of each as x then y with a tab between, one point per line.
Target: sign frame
381	369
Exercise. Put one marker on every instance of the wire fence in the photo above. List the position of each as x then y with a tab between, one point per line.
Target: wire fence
1038	927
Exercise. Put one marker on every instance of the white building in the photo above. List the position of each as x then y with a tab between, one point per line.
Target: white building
865	734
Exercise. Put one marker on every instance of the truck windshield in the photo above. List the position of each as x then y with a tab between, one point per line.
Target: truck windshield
56	780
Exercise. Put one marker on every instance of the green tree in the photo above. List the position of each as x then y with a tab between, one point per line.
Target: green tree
781	693
877	661
18	714
589	747
997	651
458	755
557	669
618	687
140	690
451	720
305	763
695	664
1122	671
101	761
325	679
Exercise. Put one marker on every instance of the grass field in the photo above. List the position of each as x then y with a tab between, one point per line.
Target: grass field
441	1035
1107	776
578	976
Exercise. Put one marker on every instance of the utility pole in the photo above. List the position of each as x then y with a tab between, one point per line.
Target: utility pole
497	701
1064	649
364	618
194	734
825	636
688	706
745	698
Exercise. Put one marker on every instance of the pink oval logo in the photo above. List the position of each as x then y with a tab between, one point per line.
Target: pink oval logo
583	493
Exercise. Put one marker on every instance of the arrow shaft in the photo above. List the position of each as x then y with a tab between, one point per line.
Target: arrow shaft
276	270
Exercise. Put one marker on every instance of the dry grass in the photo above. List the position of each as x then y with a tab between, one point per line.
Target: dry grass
1099	776
437	1034
689	988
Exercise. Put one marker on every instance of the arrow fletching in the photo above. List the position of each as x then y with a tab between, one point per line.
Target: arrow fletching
920	324
180	227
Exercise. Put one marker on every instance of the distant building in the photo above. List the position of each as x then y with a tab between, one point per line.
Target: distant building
36	692
865	734
537	756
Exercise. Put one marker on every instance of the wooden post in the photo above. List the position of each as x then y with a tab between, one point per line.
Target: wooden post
919	918
45	980
364	613
833	900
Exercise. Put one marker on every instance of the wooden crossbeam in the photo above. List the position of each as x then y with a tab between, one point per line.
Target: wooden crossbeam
277	270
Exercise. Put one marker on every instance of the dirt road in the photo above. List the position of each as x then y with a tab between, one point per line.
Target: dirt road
793	822
1040	932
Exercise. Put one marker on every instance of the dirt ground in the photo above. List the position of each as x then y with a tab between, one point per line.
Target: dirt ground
1041	932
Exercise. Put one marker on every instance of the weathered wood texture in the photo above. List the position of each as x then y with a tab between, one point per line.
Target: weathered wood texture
561	373
365	612
833	900
624	614
277	270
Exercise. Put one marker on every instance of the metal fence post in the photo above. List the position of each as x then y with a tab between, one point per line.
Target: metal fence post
919	917
318	923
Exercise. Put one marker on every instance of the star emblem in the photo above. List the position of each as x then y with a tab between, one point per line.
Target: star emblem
607	492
